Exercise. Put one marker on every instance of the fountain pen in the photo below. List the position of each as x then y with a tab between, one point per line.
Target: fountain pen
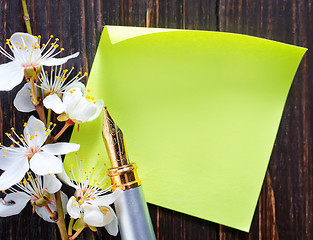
131	207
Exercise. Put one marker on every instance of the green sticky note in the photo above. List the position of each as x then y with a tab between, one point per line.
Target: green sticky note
199	111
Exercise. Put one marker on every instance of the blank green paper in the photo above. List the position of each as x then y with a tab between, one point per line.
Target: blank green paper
199	111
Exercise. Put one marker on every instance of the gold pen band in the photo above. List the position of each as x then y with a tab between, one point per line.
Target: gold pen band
124	177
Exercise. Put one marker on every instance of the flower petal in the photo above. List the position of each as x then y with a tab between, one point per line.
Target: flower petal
83	111
60	148
64	178
58	61
15	203
22	100
73	208
44	163
35	127
44	214
11	75
55	103
71	98
76	85
94	217
99	105
112	227
20	41
13	174
108	199
10	157
51	183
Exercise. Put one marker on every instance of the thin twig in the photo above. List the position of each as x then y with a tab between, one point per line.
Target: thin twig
33	91
66	125
70	227
26	17
60	222
76	234
41	112
48	117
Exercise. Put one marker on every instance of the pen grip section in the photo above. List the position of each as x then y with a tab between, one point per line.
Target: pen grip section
133	215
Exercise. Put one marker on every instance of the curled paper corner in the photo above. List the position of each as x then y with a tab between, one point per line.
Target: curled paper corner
118	34
121	33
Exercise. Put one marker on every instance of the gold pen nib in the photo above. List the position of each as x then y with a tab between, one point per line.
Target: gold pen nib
114	141
123	174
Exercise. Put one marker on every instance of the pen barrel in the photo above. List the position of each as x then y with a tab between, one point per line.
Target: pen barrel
134	218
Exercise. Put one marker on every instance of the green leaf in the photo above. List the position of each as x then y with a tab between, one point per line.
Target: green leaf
79	224
92	228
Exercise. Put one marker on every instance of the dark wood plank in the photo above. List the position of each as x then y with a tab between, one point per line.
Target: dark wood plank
79	24
285	205
284	210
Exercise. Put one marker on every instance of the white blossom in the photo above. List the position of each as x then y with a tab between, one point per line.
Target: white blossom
91	200
27	54
29	152
52	88
77	107
37	189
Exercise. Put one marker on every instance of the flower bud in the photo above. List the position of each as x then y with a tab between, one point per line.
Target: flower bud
32	72
44	200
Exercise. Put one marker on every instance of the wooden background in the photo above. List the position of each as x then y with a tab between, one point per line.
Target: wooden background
285	207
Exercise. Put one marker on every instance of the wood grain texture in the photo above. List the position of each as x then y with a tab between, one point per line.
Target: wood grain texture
285	204
284	210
